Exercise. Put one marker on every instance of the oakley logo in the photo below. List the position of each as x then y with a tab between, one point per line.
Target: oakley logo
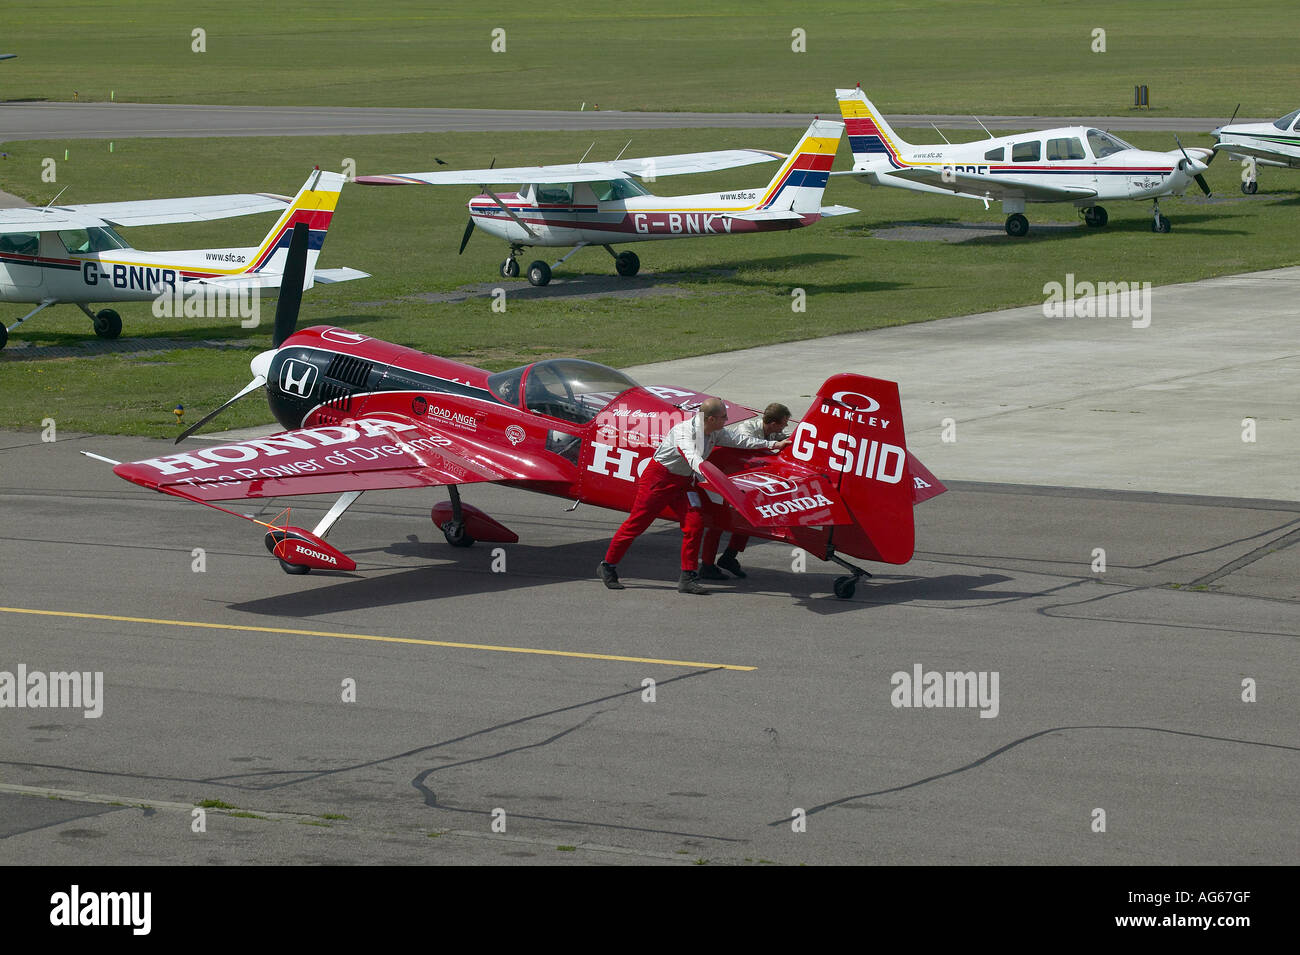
848	399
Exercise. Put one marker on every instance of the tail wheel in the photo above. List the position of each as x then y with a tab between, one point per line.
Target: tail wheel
108	324
627	264
539	273
1017	225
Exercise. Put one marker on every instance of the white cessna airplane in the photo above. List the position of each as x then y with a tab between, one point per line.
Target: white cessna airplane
71	254
1070	164
1268	144
599	203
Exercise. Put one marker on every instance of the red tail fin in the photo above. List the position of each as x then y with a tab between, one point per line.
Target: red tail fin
853	433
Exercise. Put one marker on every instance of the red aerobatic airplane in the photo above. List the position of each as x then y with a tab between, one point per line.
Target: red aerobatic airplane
364	414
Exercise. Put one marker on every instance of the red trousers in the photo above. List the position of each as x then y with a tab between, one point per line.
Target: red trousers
713	537
657	489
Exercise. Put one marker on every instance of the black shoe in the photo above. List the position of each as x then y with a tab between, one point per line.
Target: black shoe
690	583
711	572
729	562
609	574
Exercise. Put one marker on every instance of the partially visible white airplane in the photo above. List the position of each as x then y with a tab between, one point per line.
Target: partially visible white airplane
71	254
1069	164
1268	144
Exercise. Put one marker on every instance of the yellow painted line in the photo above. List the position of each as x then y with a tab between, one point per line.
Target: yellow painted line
380	639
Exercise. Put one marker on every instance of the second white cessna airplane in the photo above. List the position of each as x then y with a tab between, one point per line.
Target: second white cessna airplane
71	254
598	203
1069	164
1268	144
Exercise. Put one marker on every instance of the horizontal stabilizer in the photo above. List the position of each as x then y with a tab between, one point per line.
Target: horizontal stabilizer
767	215
781	495
344	274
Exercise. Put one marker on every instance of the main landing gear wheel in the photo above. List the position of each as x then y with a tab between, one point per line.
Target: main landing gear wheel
539	273
1160	223
1017	225
845	586
627	264
1250	188
456	534
108	324
296	570
510	269
1095	216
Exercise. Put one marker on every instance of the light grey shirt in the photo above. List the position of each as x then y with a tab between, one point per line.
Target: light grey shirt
686	446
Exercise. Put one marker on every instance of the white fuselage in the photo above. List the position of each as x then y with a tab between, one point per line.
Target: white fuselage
50	272
1054	158
1273	144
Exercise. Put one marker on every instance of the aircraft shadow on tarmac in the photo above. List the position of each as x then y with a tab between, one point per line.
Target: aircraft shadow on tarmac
651	565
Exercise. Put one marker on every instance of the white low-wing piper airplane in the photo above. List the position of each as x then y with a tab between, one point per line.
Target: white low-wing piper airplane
597	203
71	254
1069	164
1269	144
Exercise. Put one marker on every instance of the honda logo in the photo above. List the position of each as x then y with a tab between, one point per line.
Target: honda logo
297	378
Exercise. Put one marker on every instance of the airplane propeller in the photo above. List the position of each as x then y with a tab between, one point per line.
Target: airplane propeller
286	319
469	226
1190	164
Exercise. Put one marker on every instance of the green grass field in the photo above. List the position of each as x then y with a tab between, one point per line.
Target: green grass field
1199	58
1021	56
725	292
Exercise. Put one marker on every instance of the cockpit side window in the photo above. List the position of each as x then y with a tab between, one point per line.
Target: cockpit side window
615	189
91	240
1026	152
505	385
555	193
20	243
1067	147
1285	122
1104	144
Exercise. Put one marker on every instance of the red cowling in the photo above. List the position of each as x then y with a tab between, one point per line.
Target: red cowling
293	545
477	524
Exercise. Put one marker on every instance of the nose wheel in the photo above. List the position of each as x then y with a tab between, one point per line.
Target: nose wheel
1159	223
1250	187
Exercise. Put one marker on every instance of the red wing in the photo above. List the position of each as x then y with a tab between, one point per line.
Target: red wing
382	450
780	494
